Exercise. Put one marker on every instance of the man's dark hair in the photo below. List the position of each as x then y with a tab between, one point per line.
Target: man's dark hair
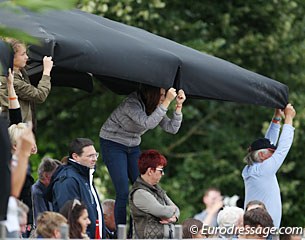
47	165
258	217
210	189
77	145
256	202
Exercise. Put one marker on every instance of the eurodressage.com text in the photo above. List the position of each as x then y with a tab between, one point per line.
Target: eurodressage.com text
261	231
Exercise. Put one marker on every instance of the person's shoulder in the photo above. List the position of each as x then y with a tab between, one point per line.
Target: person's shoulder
65	172
36	188
200	215
132	97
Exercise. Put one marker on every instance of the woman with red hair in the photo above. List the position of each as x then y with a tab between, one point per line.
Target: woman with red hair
153	212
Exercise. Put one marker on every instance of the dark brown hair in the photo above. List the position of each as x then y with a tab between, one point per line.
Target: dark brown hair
77	145
256	202
72	210
150	96
187	226
258	217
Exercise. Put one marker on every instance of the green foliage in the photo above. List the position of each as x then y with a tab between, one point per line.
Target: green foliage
39	5
32	5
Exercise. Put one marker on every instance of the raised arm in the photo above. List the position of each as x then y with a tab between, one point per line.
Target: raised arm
136	112
23	151
272	164
179	101
173	125
28	92
274	128
13	103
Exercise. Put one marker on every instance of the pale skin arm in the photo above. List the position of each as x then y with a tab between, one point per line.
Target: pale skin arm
290	113
170	96
13	102
180	100
23	151
47	65
278	114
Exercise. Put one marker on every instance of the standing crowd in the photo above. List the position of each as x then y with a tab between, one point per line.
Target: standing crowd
64	193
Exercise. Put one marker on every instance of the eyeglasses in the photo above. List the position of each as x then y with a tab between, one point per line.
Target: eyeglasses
92	156
76	202
161	170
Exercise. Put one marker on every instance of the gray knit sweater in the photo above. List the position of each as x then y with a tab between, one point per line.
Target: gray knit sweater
129	121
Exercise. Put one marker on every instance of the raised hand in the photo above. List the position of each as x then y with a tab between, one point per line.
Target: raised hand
171	94
180	97
10	78
290	113
47	65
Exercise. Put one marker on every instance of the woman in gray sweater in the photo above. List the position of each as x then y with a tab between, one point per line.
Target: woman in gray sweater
120	136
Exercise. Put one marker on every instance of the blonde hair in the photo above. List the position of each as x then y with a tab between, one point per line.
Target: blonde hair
48	222
15	131
15	44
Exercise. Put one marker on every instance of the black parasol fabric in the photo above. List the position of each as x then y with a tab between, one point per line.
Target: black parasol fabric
6	58
84	45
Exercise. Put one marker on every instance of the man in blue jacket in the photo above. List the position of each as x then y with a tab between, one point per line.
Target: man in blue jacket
75	181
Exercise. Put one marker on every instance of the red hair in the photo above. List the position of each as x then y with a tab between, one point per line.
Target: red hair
151	159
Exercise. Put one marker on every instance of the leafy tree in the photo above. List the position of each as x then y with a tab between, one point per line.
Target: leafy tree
263	36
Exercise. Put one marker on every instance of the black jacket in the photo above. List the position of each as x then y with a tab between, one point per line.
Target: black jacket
5	173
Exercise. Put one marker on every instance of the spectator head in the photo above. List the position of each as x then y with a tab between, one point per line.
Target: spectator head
15	131
78	218
23	211
211	196
259	219
192	228
255	204
260	150
151	166
290	236
83	152
20	55
46	169
230	217
151	96
49	223
108	210
64	160
151	159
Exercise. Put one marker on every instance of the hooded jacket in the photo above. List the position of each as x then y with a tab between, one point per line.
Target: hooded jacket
129	121
28	95
73	181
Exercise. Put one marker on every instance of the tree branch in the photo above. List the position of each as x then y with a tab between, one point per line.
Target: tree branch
192	131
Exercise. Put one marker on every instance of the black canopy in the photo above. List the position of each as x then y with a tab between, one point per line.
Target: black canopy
120	56
6	59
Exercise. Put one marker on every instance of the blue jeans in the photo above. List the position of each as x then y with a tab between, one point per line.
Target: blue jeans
122	164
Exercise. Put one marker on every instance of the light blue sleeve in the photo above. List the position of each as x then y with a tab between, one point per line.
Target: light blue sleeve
272	164
273	132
